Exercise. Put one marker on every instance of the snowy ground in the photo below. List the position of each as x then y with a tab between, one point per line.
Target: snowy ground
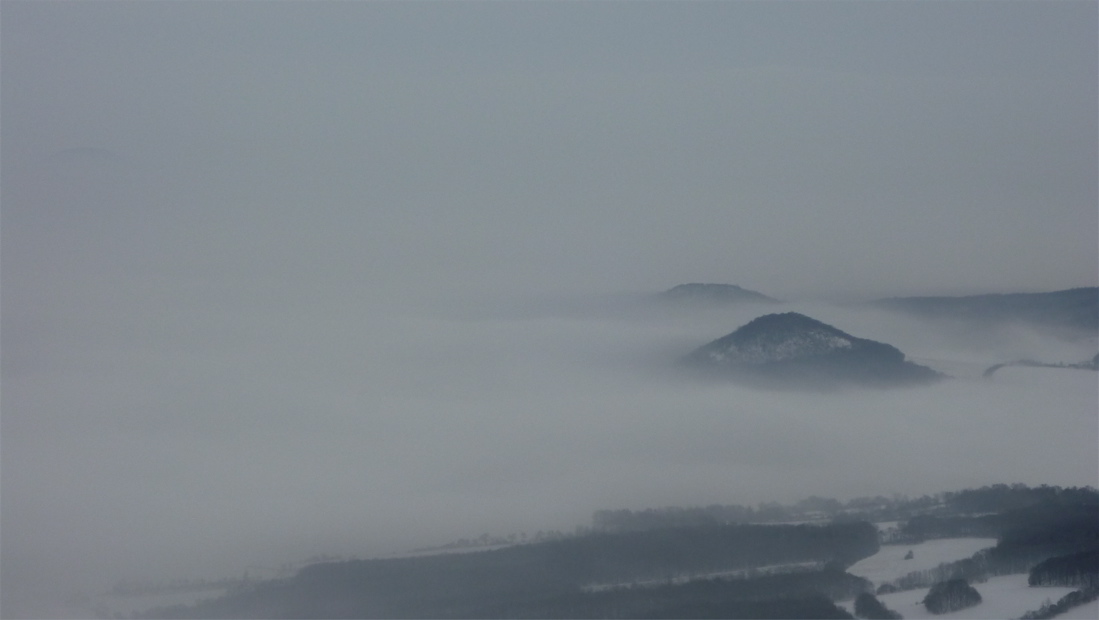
1007	596
889	563
1004	597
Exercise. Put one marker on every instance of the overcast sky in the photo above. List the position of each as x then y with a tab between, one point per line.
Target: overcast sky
804	149
251	250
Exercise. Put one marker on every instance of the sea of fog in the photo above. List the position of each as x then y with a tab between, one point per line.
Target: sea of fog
224	438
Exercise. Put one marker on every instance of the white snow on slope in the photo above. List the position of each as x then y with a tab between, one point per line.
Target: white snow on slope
802	345
1003	597
889	563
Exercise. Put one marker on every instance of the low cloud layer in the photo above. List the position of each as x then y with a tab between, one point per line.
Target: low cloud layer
375	432
283	279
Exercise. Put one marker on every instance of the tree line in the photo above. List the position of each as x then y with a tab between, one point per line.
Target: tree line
996	498
547	579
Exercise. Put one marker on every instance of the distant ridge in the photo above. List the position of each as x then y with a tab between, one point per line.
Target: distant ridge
1092	364
1076	308
714	294
792	349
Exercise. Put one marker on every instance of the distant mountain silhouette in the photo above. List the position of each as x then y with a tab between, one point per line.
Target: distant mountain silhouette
714	294
1076	308
791	349
1092	364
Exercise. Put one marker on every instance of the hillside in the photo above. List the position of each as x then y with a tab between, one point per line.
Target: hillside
1076	308
791	349
567	578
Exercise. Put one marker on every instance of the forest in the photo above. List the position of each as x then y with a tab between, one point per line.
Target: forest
706	569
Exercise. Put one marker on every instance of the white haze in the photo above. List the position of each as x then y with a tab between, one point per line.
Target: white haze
283	279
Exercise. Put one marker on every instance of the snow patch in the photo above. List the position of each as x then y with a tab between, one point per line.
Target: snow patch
802	345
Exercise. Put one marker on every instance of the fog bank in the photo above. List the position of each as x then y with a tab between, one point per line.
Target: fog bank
282	279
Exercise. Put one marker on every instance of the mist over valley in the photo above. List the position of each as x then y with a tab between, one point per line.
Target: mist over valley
286	283
415	430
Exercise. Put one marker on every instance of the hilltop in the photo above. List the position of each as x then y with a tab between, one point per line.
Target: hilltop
794	349
714	294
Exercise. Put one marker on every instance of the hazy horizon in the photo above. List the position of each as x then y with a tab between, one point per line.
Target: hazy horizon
284	279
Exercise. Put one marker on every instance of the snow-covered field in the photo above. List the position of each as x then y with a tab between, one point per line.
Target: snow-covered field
889	563
1007	596
1004	597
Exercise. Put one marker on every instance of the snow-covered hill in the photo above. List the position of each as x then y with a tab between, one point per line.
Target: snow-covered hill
792	348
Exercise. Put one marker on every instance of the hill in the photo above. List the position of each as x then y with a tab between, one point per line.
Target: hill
714	294
792	349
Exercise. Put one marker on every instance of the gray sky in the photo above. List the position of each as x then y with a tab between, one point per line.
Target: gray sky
252	255
802	148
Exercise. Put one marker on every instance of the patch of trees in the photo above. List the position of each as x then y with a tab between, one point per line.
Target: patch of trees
947	596
1020	513
1002	497
1065	603
1074	570
925	527
1040	532
975	568
868	606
